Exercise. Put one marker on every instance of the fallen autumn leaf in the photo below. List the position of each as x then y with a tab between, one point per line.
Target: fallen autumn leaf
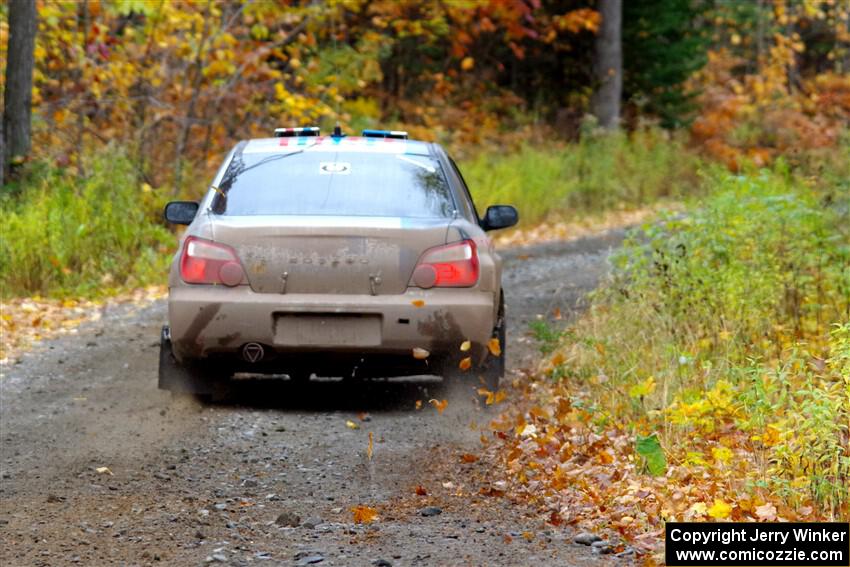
364	514
369	447
495	347
420	353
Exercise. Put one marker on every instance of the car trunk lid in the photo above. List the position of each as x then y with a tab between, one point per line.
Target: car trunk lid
329	255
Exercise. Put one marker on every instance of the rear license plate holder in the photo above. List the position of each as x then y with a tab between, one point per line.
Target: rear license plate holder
327	329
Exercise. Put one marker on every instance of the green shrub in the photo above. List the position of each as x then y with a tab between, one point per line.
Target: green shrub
63	235
598	173
755	255
729	324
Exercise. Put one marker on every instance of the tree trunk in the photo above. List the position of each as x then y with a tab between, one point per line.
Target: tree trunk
2	152
608	65
83	23
17	116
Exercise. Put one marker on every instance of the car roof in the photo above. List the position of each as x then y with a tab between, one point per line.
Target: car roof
357	144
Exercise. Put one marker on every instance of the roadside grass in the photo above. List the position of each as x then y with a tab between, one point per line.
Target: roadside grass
599	173
712	372
64	236
734	319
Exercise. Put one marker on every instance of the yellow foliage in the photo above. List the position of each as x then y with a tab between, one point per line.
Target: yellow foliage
721	454
719	510
720	396
643	389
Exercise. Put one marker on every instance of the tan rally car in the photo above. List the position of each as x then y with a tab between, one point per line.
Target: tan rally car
337	256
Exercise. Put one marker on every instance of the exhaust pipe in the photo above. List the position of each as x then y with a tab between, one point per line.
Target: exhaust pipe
253	352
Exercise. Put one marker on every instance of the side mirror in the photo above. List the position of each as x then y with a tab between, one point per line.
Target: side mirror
499	216
181	212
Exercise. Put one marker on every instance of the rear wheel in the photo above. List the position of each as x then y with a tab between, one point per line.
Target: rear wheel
493	367
489	372
194	378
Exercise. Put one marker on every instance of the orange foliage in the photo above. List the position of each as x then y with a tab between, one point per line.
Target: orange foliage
179	82
771	110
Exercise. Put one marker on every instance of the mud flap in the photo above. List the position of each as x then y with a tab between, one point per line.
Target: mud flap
486	371
494	366
177	377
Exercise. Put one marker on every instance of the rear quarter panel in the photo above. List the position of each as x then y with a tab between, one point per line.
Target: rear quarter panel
490	263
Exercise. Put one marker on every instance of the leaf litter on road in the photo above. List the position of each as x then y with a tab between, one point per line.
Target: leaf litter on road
26	321
587	226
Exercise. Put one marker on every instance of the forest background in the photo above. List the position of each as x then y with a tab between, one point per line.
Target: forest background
716	358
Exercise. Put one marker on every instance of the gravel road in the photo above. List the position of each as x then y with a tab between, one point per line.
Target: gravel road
270	475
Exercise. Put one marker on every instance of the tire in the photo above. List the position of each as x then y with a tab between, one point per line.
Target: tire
193	378
493	368
489	373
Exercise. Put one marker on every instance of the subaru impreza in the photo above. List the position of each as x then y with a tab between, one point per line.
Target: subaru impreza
354	256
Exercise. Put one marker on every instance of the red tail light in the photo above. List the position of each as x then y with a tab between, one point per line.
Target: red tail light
207	262
452	265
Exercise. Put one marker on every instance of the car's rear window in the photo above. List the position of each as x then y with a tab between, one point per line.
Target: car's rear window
334	183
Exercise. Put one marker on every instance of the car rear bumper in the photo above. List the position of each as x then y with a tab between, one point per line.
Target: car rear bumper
208	321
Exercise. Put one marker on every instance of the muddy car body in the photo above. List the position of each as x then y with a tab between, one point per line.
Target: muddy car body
335	256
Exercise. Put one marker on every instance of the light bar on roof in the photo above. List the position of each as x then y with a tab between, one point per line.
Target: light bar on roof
292	132
394	134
